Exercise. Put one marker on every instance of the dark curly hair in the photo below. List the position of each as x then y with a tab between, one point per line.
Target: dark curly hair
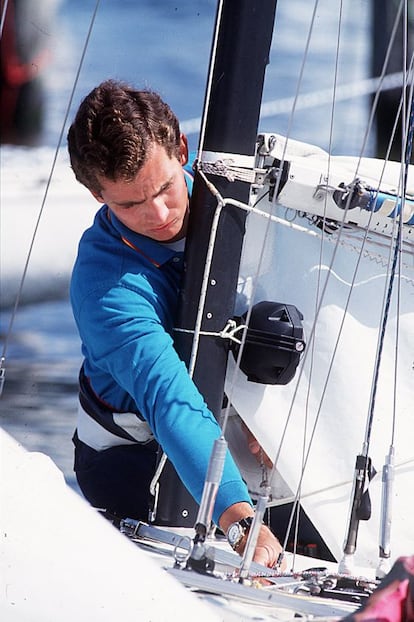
114	129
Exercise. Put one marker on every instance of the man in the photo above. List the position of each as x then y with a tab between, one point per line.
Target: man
126	147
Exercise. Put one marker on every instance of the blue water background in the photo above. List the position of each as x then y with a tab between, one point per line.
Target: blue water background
163	45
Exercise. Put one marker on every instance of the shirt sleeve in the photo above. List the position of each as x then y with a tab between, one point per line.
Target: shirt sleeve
129	342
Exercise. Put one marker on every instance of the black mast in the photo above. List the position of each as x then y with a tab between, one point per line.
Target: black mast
231	113
383	14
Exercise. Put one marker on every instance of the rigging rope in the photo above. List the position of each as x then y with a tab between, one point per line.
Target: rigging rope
3	16
255	279
307	351
319	306
388	468
363	467
228	169
295	505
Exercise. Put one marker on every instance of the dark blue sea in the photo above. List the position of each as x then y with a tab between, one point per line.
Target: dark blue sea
163	45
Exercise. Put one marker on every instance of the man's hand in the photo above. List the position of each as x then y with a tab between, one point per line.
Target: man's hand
268	547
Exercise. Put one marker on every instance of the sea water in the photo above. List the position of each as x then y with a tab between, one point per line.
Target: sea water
163	45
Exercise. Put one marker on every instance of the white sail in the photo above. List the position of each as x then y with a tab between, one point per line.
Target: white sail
332	388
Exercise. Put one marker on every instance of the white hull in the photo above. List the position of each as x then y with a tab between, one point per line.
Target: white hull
60	560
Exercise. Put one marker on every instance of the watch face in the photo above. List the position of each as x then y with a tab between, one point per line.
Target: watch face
234	534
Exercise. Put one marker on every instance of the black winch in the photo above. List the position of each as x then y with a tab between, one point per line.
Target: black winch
273	344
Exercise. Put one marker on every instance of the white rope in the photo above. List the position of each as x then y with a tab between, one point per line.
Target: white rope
228	332
232	166
209	80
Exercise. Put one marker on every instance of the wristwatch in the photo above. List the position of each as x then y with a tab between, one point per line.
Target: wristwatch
237	531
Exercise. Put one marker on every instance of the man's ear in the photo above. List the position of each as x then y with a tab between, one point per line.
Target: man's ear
97	196
183	149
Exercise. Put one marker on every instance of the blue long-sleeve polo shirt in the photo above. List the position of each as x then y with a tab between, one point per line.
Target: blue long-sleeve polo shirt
124	295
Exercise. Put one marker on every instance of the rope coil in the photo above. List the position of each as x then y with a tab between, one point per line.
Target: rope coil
232	166
228	332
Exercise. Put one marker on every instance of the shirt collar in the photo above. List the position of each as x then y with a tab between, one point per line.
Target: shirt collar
156	252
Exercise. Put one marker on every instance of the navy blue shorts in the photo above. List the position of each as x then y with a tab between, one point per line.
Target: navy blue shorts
117	479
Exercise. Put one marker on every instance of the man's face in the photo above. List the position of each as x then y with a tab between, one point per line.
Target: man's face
155	203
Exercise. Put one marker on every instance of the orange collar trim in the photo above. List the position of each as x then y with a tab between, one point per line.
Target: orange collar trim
134	247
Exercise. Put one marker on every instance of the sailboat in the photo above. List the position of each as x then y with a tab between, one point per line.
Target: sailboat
335	265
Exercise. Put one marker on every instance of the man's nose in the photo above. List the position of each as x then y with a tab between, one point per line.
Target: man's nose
159	210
